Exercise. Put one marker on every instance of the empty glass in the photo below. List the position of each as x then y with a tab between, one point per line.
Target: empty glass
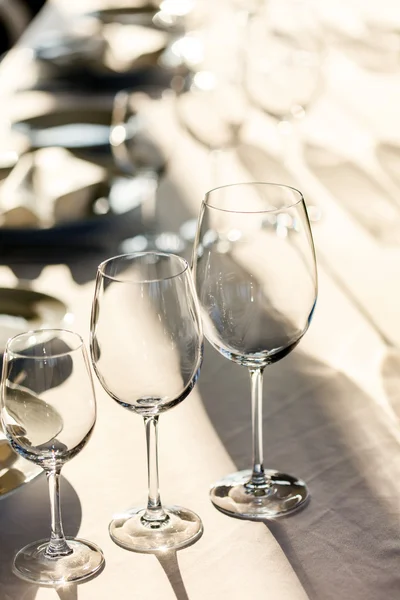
255	274
147	348
134	145
48	412
284	62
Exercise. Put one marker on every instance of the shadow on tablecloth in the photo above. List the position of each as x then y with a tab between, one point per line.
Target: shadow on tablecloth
365	198
323	428
24	518
170	565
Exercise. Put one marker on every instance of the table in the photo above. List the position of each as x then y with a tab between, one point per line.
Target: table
332	407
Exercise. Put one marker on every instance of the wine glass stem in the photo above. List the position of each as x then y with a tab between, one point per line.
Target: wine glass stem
258	479
154	511
149	206
57	545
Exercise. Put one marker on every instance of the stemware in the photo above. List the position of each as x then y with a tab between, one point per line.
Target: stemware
134	144
139	153
284	74
48	412
255	273
212	107
147	347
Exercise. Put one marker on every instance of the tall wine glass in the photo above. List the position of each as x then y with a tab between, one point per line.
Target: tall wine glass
48	412
255	274
147	347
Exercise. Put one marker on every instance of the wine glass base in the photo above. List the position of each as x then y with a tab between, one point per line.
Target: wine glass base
181	528
282	496
32	564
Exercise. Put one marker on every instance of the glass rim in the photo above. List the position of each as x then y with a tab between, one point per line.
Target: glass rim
255	183
183	261
32	332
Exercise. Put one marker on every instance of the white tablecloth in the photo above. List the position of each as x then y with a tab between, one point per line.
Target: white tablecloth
332	407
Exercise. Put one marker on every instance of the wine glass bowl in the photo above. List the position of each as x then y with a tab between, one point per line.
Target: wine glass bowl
146	344
255	274
48	412
284	73
212	110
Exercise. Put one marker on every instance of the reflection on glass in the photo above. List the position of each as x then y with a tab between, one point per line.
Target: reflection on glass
48	412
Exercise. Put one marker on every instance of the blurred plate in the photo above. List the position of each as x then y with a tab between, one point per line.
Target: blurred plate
66	127
142	13
24	309
118	48
114	214
145	16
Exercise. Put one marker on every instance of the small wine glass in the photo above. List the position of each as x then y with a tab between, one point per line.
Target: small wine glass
147	348
48	411
255	273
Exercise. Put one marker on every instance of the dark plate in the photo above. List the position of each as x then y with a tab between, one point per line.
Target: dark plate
95	232
70	128
24	309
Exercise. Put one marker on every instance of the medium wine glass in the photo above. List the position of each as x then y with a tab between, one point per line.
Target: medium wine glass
147	348
255	274
48	411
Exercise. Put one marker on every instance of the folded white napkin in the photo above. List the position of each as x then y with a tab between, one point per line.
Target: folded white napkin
17	198
48	187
